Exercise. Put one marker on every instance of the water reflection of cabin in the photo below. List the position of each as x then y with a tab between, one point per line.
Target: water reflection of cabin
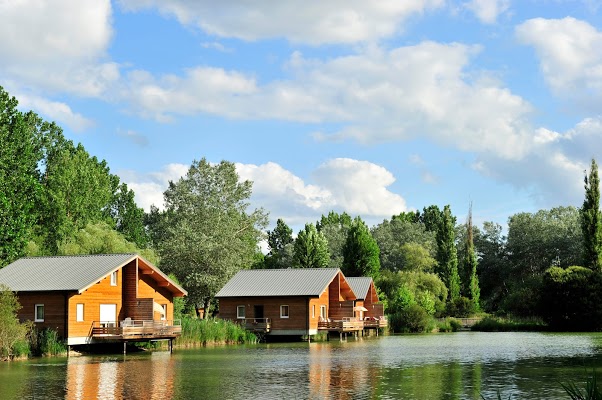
95	298
296	302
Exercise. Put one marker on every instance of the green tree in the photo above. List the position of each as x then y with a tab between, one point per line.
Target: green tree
591	220
416	258
494	269
128	217
100	238
20	153
361	253
208	233
280	243
311	248
78	189
11	330
392	236
335	227
431	218
470	280
447	257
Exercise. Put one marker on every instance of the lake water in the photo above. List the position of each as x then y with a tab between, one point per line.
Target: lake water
460	365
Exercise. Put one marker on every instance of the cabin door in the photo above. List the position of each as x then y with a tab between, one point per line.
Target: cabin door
108	314
258	313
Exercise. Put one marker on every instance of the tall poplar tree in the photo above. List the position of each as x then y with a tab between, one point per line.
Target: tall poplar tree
447	255
591	220
361	255
311	248
470	282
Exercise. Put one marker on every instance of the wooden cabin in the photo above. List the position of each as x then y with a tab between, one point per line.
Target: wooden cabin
287	301
368	307
95	298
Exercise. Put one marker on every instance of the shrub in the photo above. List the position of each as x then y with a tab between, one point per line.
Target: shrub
461	307
412	319
12	332
46	343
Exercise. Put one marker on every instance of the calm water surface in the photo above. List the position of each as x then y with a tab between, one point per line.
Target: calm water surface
435	366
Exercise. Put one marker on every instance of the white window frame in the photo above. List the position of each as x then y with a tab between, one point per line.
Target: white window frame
241	315
282	308
114	278
35	311
323	311
164	315
79	312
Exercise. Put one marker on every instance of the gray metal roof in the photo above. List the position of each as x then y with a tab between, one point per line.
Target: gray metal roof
60	273
279	282
360	286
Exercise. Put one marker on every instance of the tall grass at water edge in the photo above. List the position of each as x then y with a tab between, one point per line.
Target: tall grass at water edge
498	324
200	332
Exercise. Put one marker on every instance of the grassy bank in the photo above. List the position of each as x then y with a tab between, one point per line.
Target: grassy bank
200	332
499	324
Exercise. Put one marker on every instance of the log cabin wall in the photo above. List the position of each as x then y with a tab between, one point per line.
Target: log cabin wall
148	288
129	290
297	305
316	303
100	293
54	309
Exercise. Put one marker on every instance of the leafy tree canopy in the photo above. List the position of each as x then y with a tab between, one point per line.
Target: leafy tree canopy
311	248
361	253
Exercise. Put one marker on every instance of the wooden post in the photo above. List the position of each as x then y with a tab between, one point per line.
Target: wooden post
124	346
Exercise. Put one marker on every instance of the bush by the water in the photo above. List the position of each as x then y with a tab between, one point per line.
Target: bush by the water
461	307
497	324
571	299
13	334
449	325
46	342
197	332
412	319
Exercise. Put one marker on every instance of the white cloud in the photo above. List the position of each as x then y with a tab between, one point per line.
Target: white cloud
149	187
57	46
55	111
134	136
487	11
376	95
569	53
314	21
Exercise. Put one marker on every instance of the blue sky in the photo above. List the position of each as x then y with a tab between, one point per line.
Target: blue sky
367	107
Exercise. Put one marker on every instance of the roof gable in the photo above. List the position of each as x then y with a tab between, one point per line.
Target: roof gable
69	273
361	286
279	282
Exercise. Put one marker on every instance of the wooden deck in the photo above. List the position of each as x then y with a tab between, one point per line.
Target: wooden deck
136	330
351	324
256	324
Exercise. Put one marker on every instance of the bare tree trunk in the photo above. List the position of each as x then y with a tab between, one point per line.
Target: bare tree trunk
207	307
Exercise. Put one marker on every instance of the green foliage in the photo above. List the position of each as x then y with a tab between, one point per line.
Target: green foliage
279	237
128	217
200	332
449	325
431	217
571	299
335	228
19	176
591	220
461	307
591	391
490	245
99	238
447	257
361	253
398	241
469	279
498	324
12	333
46	343
412	319
311	248
206	233
402	289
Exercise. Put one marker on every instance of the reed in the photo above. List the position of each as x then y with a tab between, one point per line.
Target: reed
46	343
498	324
200	332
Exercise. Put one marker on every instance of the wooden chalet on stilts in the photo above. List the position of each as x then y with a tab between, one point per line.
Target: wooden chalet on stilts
291	302
368	308
95	298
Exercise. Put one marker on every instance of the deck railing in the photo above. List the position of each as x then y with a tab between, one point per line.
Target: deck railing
346	324
379	322
132	329
256	324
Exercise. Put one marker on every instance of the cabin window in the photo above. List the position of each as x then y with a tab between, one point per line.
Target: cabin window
240	312
323	312
283	311
114	278
164	315
39	313
79	312
313	311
